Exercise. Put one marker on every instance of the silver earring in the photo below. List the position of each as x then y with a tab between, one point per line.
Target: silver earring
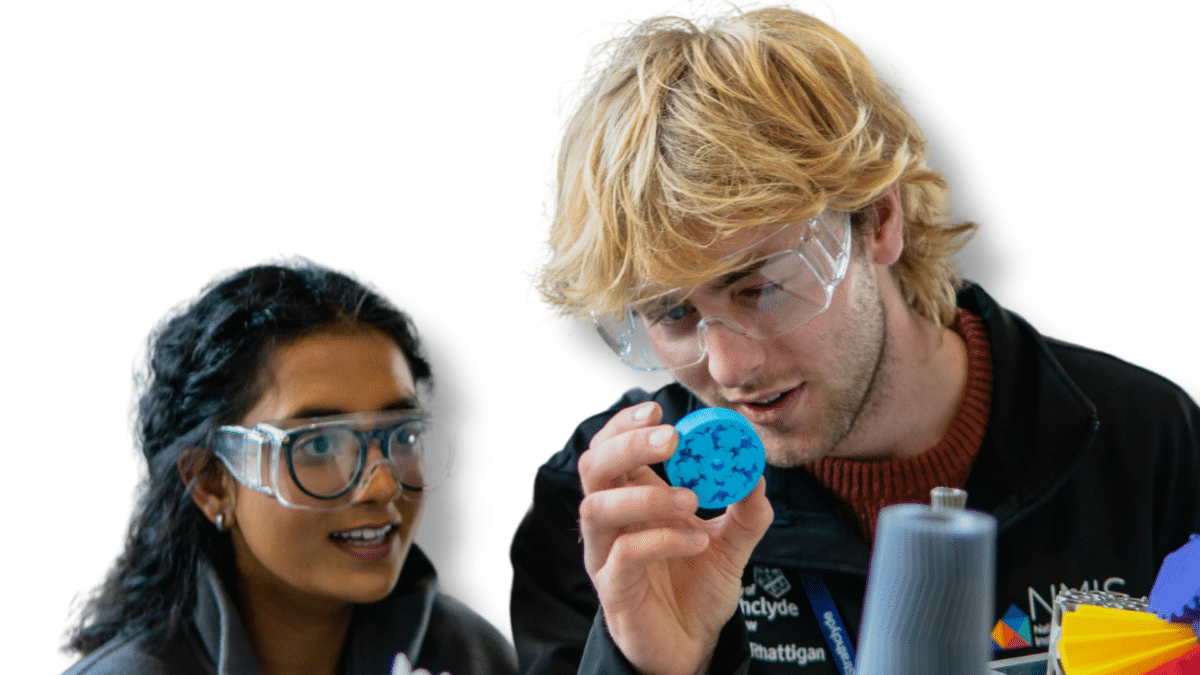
220	522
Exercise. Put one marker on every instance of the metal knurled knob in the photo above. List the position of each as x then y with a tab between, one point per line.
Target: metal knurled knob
948	498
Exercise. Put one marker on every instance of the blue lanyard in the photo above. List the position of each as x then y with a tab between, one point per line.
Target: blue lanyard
830	621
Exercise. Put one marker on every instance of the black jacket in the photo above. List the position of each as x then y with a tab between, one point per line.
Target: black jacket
1090	465
433	630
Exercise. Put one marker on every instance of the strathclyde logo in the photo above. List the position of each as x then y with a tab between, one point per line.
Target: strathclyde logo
1012	631
771	580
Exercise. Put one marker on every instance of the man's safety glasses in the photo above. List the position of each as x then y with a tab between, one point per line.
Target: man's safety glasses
325	463
761	299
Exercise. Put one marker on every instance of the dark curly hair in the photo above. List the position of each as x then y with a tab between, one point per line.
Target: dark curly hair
204	367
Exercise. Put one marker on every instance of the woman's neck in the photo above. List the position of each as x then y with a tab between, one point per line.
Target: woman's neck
293	635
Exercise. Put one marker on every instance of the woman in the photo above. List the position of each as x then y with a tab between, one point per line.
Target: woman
281	423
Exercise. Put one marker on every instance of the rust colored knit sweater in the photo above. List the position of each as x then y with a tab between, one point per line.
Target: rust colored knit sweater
865	487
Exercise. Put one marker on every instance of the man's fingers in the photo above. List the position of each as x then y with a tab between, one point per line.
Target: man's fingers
746	521
625	456
607	515
631	552
634	417
635	505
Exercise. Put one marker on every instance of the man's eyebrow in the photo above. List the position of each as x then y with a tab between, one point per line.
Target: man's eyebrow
408	403
719	284
731	278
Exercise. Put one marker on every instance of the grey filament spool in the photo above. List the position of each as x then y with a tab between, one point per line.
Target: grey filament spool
928	609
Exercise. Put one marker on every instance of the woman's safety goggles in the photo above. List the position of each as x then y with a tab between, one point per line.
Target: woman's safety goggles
766	297
325	463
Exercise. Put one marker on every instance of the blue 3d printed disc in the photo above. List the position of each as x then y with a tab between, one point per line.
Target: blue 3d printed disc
719	457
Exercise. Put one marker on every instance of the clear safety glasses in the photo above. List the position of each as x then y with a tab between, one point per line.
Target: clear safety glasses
763	298
325	463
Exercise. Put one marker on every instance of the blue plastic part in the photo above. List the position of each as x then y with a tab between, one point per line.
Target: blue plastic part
719	457
1175	595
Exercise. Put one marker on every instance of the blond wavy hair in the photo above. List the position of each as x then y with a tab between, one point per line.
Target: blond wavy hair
687	135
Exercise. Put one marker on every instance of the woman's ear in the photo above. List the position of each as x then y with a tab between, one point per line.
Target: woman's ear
885	242
214	491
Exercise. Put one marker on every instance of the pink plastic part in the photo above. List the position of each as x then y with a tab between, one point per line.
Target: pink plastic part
1187	663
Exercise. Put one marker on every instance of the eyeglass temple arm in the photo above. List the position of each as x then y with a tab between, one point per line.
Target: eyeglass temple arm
240	450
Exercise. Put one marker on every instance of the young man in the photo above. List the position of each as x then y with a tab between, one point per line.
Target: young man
747	206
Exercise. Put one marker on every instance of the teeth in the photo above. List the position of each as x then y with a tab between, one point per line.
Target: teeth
365	536
769	401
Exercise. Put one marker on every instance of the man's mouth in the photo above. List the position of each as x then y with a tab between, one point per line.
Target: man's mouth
365	536
767	401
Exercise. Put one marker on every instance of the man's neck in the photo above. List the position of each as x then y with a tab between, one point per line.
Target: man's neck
920	386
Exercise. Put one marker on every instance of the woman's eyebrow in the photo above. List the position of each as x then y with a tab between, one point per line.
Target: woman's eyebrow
407	403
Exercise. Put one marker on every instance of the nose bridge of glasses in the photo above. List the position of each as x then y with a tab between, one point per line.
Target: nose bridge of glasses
725	322
717	305
374	441
732	352
378	452
751	320
729	337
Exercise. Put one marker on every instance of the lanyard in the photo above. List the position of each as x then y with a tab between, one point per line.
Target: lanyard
830	622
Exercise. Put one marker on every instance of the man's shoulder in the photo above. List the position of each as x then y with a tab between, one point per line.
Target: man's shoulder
1103	379
1105	371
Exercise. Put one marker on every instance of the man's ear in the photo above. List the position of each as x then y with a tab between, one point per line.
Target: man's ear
885	242
214	491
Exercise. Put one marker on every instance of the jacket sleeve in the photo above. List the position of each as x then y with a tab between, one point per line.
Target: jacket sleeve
602	657
553	602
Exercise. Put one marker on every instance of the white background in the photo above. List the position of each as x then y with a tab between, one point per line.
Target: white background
146	147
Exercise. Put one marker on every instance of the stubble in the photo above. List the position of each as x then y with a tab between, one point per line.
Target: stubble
853	390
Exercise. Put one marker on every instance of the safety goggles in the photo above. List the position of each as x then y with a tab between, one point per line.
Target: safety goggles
323	463
765	297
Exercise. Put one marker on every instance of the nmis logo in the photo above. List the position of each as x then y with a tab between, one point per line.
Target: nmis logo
1012	631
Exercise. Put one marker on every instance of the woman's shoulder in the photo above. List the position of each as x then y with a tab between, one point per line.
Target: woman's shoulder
452	615
135	654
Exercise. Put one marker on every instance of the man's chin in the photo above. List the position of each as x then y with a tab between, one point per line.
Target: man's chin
787	451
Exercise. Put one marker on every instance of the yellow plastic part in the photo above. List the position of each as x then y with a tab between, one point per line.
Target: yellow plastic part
1107	641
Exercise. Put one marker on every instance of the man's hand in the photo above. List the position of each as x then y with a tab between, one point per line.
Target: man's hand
668	580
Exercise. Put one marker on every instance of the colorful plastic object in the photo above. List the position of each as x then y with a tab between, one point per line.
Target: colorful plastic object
719	457
1175	595
1187	664
1109	641
1089	638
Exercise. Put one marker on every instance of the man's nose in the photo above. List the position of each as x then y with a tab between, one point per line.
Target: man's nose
733	356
